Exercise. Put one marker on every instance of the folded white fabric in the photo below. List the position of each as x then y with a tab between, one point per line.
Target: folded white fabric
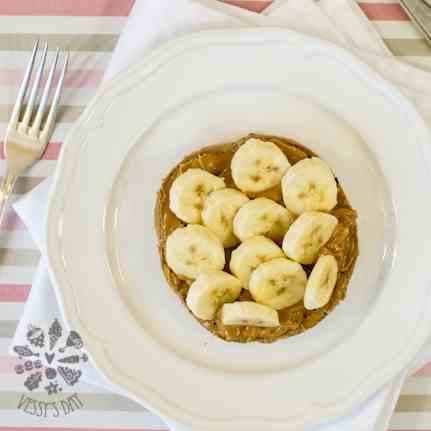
153	22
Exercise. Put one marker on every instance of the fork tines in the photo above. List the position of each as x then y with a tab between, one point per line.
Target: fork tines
26	125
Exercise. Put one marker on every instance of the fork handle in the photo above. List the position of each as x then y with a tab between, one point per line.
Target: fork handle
6	188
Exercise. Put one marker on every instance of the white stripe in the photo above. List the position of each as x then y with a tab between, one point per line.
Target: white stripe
421	62
378	1
43	168
13	382
417	386
61	24
16	275
60	131
397	30
410	421
70	96
5	344
11	311
16	239
78	60
87	419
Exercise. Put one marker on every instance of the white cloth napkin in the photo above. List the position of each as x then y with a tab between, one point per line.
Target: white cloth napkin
153	22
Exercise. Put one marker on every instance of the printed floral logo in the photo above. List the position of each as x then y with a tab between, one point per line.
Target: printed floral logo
51	358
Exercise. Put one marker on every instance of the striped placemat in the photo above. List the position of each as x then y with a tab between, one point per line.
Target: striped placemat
89	30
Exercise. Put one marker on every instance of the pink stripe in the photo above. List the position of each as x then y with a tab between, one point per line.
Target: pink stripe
425	371
77	78
66	7
11	221
51	153
384	11
6	365
14	292
254	6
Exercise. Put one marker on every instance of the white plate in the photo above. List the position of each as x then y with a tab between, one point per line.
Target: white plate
214	87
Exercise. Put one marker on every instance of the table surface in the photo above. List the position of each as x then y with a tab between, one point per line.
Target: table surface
89	29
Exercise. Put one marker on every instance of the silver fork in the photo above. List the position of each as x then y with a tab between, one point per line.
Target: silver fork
27	134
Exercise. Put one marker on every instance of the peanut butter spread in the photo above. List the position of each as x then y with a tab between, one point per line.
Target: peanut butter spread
343	244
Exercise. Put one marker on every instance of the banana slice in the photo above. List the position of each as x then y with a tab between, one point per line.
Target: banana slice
278	283
309	186
258	165
211	290
262	216
250	254
321	282
193	249
188	192
219	211
308	233
248	313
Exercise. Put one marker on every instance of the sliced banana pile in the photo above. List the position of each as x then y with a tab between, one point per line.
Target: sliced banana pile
278	283
321	283
272	241
250	254
309	186
219	211
249	313
262	216
193	249
310	231
211	290
188	193
258	165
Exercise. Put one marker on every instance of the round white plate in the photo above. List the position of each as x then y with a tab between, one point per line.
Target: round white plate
215	87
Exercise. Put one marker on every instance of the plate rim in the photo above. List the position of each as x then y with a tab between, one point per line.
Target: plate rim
97	350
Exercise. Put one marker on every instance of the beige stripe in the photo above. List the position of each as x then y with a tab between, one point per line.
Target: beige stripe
61	24
102	42
7	328
66	113
421	62
414	403
416	47
19	257
71	42
25	184
397	30
98	402
415	385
